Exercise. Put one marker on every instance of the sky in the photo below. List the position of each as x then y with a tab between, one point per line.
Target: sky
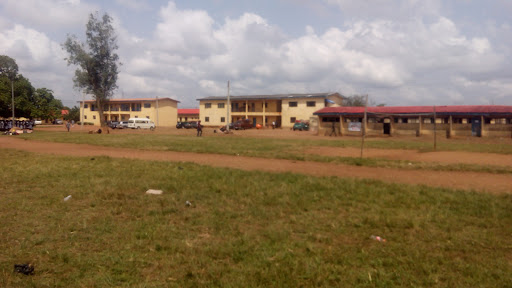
398	52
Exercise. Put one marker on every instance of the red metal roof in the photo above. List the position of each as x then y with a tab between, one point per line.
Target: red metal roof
458	109
64	112
188	111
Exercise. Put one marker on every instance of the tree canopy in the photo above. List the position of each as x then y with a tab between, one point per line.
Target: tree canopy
97	61
8	67
28	101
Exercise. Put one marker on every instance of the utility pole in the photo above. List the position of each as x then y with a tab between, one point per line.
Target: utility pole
228	110
156	111
363	127
12	92
83	111
435	130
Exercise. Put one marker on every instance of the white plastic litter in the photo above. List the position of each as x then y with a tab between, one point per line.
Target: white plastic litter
67	198
188	203
154	192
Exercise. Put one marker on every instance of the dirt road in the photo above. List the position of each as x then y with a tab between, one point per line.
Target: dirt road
492	183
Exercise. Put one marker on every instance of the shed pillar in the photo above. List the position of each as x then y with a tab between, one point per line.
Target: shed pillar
391	126
341	126
482	132
450	128
420	126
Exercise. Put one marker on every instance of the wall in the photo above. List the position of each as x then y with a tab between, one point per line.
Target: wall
301	112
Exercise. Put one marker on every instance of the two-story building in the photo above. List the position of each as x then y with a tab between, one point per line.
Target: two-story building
162	111
284	109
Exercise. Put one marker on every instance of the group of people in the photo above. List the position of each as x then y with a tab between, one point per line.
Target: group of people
6	125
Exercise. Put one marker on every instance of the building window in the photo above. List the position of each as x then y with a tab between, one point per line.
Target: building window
85	116
86	106
94	117
206	119
311	103
136	107
105	107
222	119
207	105
220	105
147	117
125	107
93	107
293	104
147	105
292	119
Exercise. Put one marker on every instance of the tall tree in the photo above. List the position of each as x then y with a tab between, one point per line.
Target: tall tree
45	106
98	63
74	114
9	69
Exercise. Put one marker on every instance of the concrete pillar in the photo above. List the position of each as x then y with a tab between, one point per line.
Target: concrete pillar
450	129
246	109
420	126
264	120
391	126
482	125
341	126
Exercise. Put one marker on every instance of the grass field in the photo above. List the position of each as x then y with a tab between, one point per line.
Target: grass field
244	229
292	149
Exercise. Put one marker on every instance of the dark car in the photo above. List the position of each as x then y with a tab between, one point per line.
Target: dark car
181	125
192	124
241	124
114	125
301	126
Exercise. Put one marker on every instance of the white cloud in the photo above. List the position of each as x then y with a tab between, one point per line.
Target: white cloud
423	59
134	4
48	14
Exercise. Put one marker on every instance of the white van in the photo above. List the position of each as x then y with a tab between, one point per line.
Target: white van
138	123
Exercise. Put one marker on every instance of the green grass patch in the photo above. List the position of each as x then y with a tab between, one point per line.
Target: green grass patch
291	149
244	229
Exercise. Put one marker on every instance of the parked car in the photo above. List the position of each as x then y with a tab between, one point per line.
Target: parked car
181	125
113	124
189	125
241	124
122	125
38	122
301	126
57	121
138	123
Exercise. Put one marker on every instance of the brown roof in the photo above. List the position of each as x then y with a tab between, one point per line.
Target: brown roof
133	100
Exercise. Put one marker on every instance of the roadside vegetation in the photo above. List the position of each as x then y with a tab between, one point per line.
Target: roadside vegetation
243	229
291	149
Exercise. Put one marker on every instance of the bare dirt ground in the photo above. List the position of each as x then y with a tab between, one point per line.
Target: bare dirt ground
492	183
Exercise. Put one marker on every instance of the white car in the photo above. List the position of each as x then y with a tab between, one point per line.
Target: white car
138	123
38	122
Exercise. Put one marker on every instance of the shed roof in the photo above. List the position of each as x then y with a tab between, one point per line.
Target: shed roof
472	110
188	111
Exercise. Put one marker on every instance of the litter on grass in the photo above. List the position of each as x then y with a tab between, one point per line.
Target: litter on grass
377	238
154	192
67	198
27	269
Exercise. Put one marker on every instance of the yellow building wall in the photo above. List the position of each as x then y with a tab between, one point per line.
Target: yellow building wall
212	116
301	112
276	110
166	116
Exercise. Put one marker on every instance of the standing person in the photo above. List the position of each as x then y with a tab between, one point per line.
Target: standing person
68	125
199	129
333	131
